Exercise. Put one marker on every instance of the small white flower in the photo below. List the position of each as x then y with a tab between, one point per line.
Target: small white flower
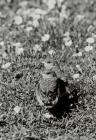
19	51
67	39
88	48
17	109
35	23
37	47
51	4
5	66
2	43
45	37
80	54
51	52
90	40
76	76
18	20
94	78
79	17
79	69
68	43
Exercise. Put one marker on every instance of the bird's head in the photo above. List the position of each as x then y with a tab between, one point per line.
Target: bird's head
48	63
48	74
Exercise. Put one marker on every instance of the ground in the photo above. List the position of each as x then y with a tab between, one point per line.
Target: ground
31	31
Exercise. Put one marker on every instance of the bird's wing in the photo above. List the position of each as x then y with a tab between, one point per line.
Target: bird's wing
38	96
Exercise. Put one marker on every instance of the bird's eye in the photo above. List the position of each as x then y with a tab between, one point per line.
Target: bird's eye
48	72
49	61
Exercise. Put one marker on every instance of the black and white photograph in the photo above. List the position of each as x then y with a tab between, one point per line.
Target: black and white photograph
47	69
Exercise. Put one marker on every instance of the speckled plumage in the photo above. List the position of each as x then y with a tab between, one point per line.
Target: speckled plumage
48	92
48	84
48	88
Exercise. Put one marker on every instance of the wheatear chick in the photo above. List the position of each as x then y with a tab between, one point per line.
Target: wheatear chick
48	92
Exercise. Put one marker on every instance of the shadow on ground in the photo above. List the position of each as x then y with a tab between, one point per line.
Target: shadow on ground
66	103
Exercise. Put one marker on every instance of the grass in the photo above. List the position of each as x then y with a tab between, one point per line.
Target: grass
18	82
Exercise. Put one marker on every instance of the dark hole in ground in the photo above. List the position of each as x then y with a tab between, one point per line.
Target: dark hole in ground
65	103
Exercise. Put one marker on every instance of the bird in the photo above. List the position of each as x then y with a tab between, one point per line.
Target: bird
48	92
50	89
